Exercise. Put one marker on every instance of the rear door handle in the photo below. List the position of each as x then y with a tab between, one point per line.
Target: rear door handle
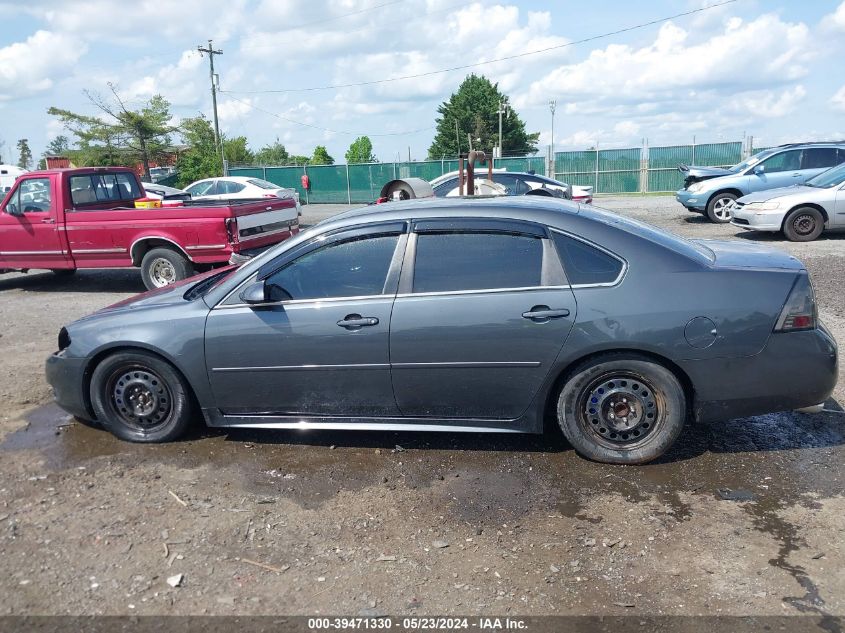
356	321
544	313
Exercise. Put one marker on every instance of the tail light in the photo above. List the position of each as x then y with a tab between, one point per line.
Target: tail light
270	195
231	229
799	312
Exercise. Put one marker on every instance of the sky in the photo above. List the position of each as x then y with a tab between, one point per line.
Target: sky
770	69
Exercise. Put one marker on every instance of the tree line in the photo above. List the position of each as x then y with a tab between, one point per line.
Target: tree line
121	135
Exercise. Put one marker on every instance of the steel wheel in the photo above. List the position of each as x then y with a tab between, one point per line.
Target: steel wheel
139	398
620	410
804	224
162	272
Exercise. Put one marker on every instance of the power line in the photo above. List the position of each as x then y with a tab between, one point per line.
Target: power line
317	127
492	61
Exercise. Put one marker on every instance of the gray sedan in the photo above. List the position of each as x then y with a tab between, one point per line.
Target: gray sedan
486	315
802	212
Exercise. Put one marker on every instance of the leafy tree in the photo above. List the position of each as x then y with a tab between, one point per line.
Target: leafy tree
321	156
59	146
361	151
474	107
201	159
236	151
120	135
295	159
274	154
24	154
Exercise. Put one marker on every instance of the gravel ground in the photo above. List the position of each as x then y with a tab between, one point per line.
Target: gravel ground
742	517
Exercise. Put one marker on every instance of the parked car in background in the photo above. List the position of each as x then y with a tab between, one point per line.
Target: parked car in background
66	219
162	192
479	315
710	190
516	183
238	188
160	173
8	174
802	212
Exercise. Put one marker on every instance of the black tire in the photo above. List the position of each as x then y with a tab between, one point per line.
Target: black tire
716	211
140	397
161	267
803	224
602	427
63	272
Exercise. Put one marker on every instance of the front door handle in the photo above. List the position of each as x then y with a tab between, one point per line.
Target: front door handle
796	175
544	313
48	220
356	321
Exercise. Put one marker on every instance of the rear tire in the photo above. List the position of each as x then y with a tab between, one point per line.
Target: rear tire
717	207
161	267
621	409
140	397
804	224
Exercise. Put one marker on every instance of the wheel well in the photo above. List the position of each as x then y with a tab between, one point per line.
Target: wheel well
100	356
811	205
146	244
735	192
568	371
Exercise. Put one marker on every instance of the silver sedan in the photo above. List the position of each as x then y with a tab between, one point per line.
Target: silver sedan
802	212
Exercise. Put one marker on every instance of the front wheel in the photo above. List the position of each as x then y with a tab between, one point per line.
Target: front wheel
621	409
140	398
803	225
163	266
718	209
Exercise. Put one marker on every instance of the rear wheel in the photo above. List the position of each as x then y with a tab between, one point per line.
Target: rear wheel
161	267
140	397
718	207
621	409
803	224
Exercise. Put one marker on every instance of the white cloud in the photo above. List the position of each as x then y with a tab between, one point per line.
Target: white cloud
33	66
838	100
183	83
768	103
836	20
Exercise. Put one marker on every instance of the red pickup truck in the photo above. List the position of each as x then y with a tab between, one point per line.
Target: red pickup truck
66	219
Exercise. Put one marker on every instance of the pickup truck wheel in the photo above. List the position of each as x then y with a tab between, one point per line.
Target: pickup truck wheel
140	397
164	266
717	207
621	409
803	225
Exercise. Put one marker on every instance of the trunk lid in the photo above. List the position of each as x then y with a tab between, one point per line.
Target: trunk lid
735	254
256	219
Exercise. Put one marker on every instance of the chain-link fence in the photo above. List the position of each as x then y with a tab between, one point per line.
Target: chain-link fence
621	170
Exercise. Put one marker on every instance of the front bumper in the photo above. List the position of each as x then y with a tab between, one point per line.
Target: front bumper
794	370
756	221
692	201
66	376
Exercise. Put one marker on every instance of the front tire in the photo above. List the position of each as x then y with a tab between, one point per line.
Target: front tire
621	409
717	207
139	397
161	267
803	224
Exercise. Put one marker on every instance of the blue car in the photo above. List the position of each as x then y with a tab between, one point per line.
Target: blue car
712	190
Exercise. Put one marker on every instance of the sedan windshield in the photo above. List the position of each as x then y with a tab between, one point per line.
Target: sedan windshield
830	178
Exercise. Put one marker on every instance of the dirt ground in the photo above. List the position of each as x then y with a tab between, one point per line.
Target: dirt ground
742	517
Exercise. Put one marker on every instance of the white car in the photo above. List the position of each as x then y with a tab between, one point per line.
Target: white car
513	183
162	192
238	188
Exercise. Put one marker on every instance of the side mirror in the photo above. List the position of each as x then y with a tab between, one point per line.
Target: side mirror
760	170
12	209
254	293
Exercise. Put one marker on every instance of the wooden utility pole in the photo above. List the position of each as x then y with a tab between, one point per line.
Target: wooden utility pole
217	138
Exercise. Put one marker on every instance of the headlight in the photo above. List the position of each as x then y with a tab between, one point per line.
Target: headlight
695	187
762	206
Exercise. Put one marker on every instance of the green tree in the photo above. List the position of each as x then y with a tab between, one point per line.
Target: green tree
24	154
59	146
201	159
236	151
321	156
474	107
296	159
120	135
361	151
273	154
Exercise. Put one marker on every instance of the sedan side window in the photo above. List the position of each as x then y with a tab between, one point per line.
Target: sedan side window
784	161
445	187
447	262
202	188
354	268
585	264
229	186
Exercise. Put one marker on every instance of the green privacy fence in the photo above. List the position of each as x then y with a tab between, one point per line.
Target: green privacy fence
625	170
362	183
